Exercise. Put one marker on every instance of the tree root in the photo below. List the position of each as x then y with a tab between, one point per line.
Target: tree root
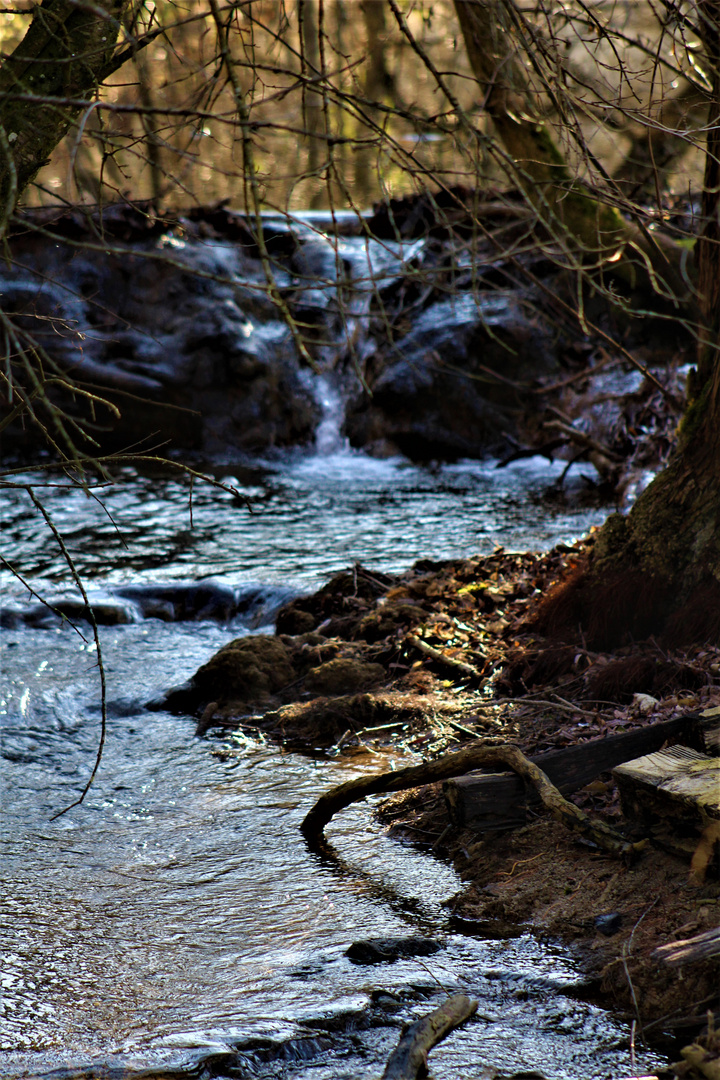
409	1058
457	764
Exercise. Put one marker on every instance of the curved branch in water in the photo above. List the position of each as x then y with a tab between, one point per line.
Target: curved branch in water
457	764
409	1059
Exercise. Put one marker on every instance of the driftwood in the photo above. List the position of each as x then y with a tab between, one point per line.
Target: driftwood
690	950
439	657
498	800
473	757
409	1059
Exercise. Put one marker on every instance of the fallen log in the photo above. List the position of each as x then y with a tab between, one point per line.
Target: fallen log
409	1059
690	950
498	801
473	757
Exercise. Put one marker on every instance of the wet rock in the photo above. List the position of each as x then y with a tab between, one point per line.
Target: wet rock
182	322
176	312
245	671
453	386
343	676
181	601
178	601
388	950
608	925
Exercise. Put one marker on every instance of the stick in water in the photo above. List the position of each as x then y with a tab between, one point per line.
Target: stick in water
409	1058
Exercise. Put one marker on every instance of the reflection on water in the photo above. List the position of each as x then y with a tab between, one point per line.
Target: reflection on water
311	516
178	912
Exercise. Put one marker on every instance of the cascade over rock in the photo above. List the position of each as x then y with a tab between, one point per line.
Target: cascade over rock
429	346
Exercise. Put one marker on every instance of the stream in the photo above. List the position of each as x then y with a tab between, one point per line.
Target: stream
176	922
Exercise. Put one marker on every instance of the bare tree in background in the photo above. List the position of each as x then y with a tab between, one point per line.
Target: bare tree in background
68	51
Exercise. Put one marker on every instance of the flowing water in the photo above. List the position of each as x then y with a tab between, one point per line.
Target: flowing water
176	919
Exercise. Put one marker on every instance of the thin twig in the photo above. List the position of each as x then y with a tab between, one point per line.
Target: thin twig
93	622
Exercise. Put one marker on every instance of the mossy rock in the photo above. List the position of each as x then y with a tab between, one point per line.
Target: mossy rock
246	669
388	618
350	593
344	676
322	721
293	619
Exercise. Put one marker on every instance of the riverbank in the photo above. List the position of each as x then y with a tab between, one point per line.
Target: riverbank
447	654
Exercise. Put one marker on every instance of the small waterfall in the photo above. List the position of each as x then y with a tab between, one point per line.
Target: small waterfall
328	439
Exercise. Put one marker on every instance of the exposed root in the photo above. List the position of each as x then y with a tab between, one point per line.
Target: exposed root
474	757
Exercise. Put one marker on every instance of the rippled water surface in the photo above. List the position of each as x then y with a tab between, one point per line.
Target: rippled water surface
308	518
177	914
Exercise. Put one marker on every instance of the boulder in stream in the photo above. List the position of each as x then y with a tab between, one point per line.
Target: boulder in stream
174	323
455	383
168	322
251	667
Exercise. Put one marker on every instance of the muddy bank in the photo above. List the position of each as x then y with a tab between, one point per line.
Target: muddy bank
446	654
615	916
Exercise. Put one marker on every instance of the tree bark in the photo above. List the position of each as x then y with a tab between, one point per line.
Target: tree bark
708	247
313	117
657	571
379	84
65	54
409	1059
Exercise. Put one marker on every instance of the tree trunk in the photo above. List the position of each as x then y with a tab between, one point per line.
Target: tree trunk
657	571
585	227
65	54
313	118
378	83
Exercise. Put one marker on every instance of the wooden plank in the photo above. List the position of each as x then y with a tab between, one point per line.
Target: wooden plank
499	801
679	784
712	734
